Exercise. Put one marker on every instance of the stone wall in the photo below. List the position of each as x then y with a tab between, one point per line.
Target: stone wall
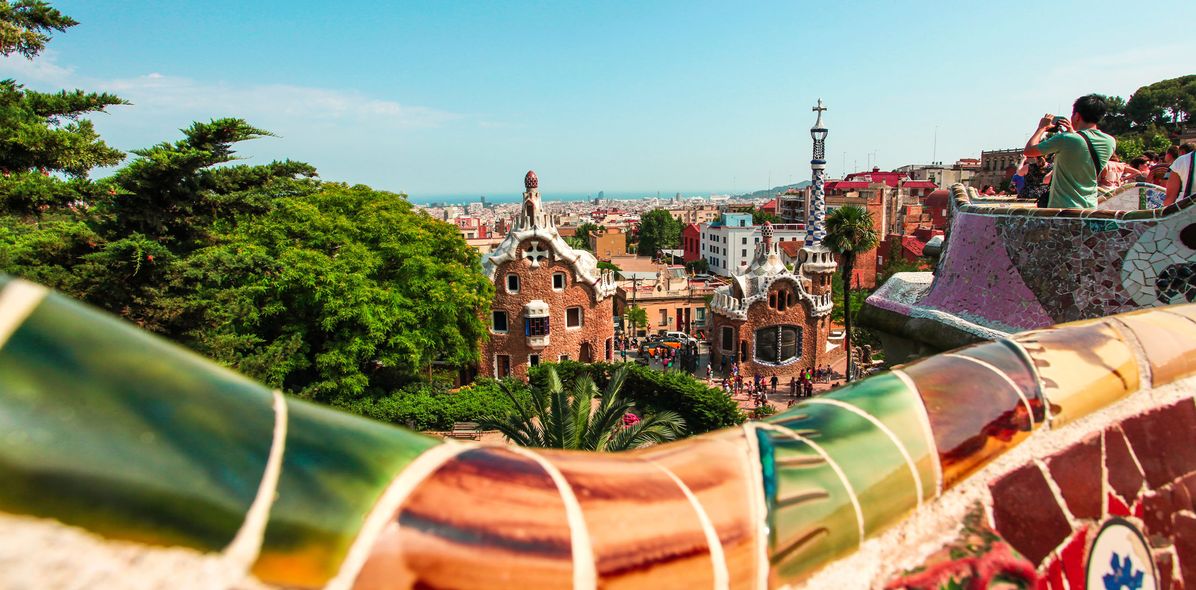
536	283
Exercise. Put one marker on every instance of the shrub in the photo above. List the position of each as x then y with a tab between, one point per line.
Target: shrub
703	408
432	406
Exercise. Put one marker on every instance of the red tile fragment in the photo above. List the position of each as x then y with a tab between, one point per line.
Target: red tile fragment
1077	471
1027	515
1074	557
1117	507
1185	547
1159	506
1053	578
1162	562
1124	476
1164	442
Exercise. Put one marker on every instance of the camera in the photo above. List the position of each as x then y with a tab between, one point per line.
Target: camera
1055	128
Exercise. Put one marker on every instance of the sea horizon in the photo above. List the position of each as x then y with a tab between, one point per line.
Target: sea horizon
458	199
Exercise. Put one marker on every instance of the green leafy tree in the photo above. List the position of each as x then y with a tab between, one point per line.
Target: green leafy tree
1117	119
604	265
1129	148
658	231
577	243
46	148
849	232
26	25
567	418
342	292
699	266
1167	103
637	317
760	216
172	192
586	230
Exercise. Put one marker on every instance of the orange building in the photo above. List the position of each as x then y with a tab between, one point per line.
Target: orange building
608	242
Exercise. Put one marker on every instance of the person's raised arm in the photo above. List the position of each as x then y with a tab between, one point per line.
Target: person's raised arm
1043	125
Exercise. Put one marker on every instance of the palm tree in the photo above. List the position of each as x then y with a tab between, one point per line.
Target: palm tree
558	418
849	231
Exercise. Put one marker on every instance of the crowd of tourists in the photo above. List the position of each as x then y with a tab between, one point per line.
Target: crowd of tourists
1068	160
758	388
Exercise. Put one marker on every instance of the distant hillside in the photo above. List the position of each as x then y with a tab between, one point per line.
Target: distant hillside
770	193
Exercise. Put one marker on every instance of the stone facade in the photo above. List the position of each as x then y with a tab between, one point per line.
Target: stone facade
551	302
536	284
770	296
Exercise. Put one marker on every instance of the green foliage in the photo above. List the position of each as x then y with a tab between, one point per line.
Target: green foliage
1167	103
699	266
173	193
25	26
585	230
658	231
637	316
703	408
343	291
432	406
762	412
850	230
759	216
857	299
1129	148
561	416
603	265
577	243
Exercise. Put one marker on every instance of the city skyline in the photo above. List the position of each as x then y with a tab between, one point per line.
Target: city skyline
443	100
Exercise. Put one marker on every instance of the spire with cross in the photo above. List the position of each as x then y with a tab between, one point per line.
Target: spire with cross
816	215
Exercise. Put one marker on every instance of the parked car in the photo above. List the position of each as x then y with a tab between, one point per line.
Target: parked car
679	336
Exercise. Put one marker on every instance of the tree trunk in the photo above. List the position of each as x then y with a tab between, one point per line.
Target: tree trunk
848	264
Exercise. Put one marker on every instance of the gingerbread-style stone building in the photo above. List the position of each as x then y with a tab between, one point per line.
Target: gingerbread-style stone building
551	302
773	321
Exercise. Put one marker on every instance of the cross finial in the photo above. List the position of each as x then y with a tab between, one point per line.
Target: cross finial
818	109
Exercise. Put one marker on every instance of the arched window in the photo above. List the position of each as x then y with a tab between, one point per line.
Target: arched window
727	342
778	344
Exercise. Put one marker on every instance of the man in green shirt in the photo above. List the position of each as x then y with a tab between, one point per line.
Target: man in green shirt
1074	179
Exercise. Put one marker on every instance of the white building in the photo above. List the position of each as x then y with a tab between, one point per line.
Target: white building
729	243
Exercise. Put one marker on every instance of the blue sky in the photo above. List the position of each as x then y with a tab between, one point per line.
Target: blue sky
462	98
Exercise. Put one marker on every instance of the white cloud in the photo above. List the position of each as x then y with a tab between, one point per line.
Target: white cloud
157	94
43	70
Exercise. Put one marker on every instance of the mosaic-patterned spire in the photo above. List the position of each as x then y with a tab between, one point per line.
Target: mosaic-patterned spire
816	215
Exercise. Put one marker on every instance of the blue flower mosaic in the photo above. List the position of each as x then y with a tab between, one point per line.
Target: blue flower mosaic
1123	575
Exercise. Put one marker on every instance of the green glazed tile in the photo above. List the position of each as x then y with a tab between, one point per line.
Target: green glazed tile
888	399
811	518
335	467
878	472
114	430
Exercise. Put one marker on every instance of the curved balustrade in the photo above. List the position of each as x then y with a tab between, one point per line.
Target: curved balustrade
121	446
1008	266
